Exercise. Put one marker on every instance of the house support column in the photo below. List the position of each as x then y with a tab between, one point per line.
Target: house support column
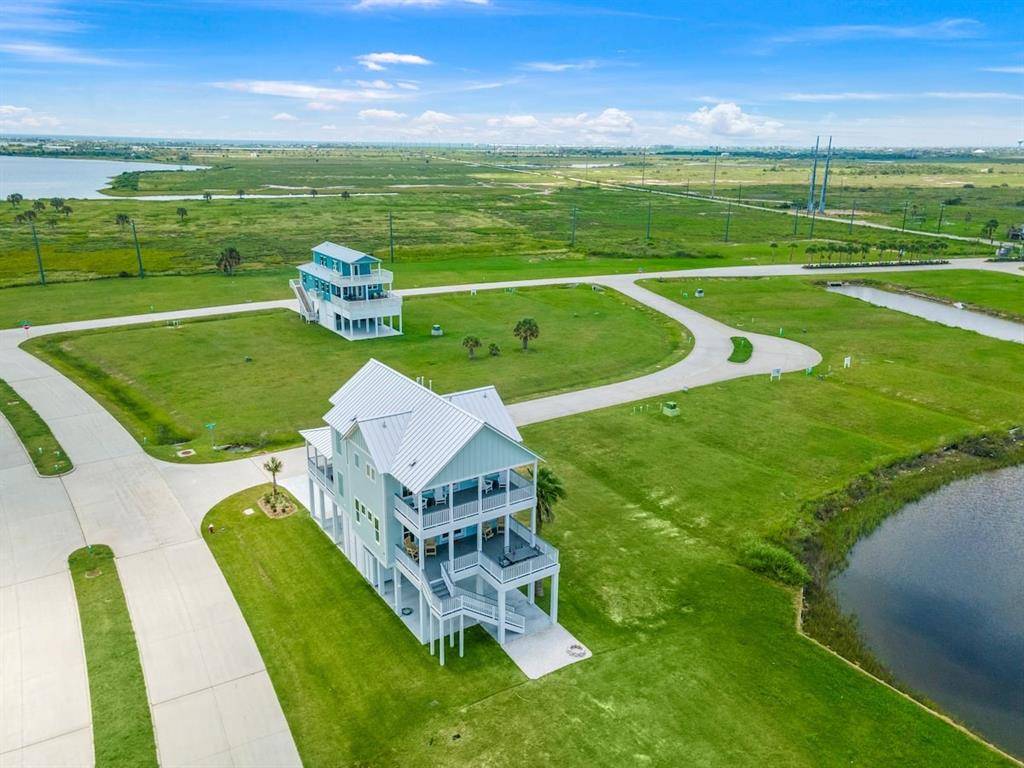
554	598
323	509
531	591
430	630
312	498
423	630
440	638
396	577
462	632
334	522
501	616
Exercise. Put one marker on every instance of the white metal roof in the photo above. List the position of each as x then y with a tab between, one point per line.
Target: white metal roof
318	270
411	432
319	438
342	253
486	403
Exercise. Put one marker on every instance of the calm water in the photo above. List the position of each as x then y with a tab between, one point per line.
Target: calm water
936	312
938	590
46	177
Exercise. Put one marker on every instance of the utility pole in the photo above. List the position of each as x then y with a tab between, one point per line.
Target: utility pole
572	239
824	180
942	207
813	214
391	236
714	176
852	211
814	176
138	251
903	227
796	220
648	218
39	256
728	219
643	167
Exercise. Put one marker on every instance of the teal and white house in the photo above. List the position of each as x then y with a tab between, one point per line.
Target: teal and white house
433	498
348	292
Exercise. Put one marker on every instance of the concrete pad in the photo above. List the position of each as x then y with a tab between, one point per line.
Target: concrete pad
190	731
70	750
12	453
544	652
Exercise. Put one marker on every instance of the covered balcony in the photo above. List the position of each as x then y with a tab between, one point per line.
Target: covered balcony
484	497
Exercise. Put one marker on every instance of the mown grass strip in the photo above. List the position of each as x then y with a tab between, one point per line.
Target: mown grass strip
121	724
742	349
40	444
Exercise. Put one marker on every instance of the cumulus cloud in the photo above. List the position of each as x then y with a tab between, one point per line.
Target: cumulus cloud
381	85
15	118
611	123
292	90
430	118
514	121
284	117
407	85
378	62
726	120
380	114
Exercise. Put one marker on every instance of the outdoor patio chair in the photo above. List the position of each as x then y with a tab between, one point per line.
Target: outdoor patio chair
501	525
430	547
488	530
411	550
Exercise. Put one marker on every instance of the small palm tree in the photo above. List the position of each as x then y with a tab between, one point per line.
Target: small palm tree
549	492
525	330
182	213
240	193
312	193
471	343
229	259
207	196
494	350
15	199
38	205
67	210
273	465
57	202
122	220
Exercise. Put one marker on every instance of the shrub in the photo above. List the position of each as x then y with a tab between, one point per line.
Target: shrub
772	561
493	350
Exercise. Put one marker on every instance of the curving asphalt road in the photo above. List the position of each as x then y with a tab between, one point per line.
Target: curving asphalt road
211	698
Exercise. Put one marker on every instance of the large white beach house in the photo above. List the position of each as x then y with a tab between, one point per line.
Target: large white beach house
422	493
348	292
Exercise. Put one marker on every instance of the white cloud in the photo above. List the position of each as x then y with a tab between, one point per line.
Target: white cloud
54	54
328	127
364	5
407	86
559	66
317	94
382	85
375	62
972	95
284	117
944	29
514	121
844	96
380	114
1005	70
13	118
726	120
431	119
321	106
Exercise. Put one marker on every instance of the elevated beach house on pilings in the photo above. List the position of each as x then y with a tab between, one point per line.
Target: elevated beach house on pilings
434	500
348	292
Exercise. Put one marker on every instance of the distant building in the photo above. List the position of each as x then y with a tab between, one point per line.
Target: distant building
348	292
422	493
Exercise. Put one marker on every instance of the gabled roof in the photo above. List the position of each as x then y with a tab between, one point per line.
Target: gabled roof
411	432
342	253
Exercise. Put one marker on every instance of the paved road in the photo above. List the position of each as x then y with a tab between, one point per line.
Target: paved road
211	698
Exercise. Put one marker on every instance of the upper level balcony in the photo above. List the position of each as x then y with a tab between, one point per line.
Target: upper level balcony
381	306
375	276
491	495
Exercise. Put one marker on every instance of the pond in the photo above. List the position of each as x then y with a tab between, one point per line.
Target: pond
938	592
937	312
46	177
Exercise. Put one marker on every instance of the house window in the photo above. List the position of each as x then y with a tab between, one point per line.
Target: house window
371	473
356	458
358	506
376	529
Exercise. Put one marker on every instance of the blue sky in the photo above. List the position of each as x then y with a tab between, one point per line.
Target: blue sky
515	71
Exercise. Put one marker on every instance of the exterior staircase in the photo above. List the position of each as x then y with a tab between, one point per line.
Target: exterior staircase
305	304
475	605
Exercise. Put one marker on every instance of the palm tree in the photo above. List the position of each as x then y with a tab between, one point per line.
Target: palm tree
30	215
472	343
990	228
345	195
57	202
525	330
15	199
229	259
67	210
19	218
494	350
240	193
273	465
182	213
312	193
207	196
122	220
549	492
38	205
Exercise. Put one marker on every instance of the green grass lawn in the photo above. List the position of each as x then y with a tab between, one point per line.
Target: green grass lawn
742	349
697	661
121	725
988	291
165	383
40	444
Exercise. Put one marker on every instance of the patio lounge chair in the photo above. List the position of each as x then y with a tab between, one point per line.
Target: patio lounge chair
501	524
430	547
411	549
488	530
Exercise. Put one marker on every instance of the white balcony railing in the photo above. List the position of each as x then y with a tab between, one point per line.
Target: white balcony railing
440	515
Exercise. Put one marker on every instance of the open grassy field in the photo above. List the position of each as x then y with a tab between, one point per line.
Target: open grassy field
40	444
479	220
121	725
987	291
696	658
262	376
